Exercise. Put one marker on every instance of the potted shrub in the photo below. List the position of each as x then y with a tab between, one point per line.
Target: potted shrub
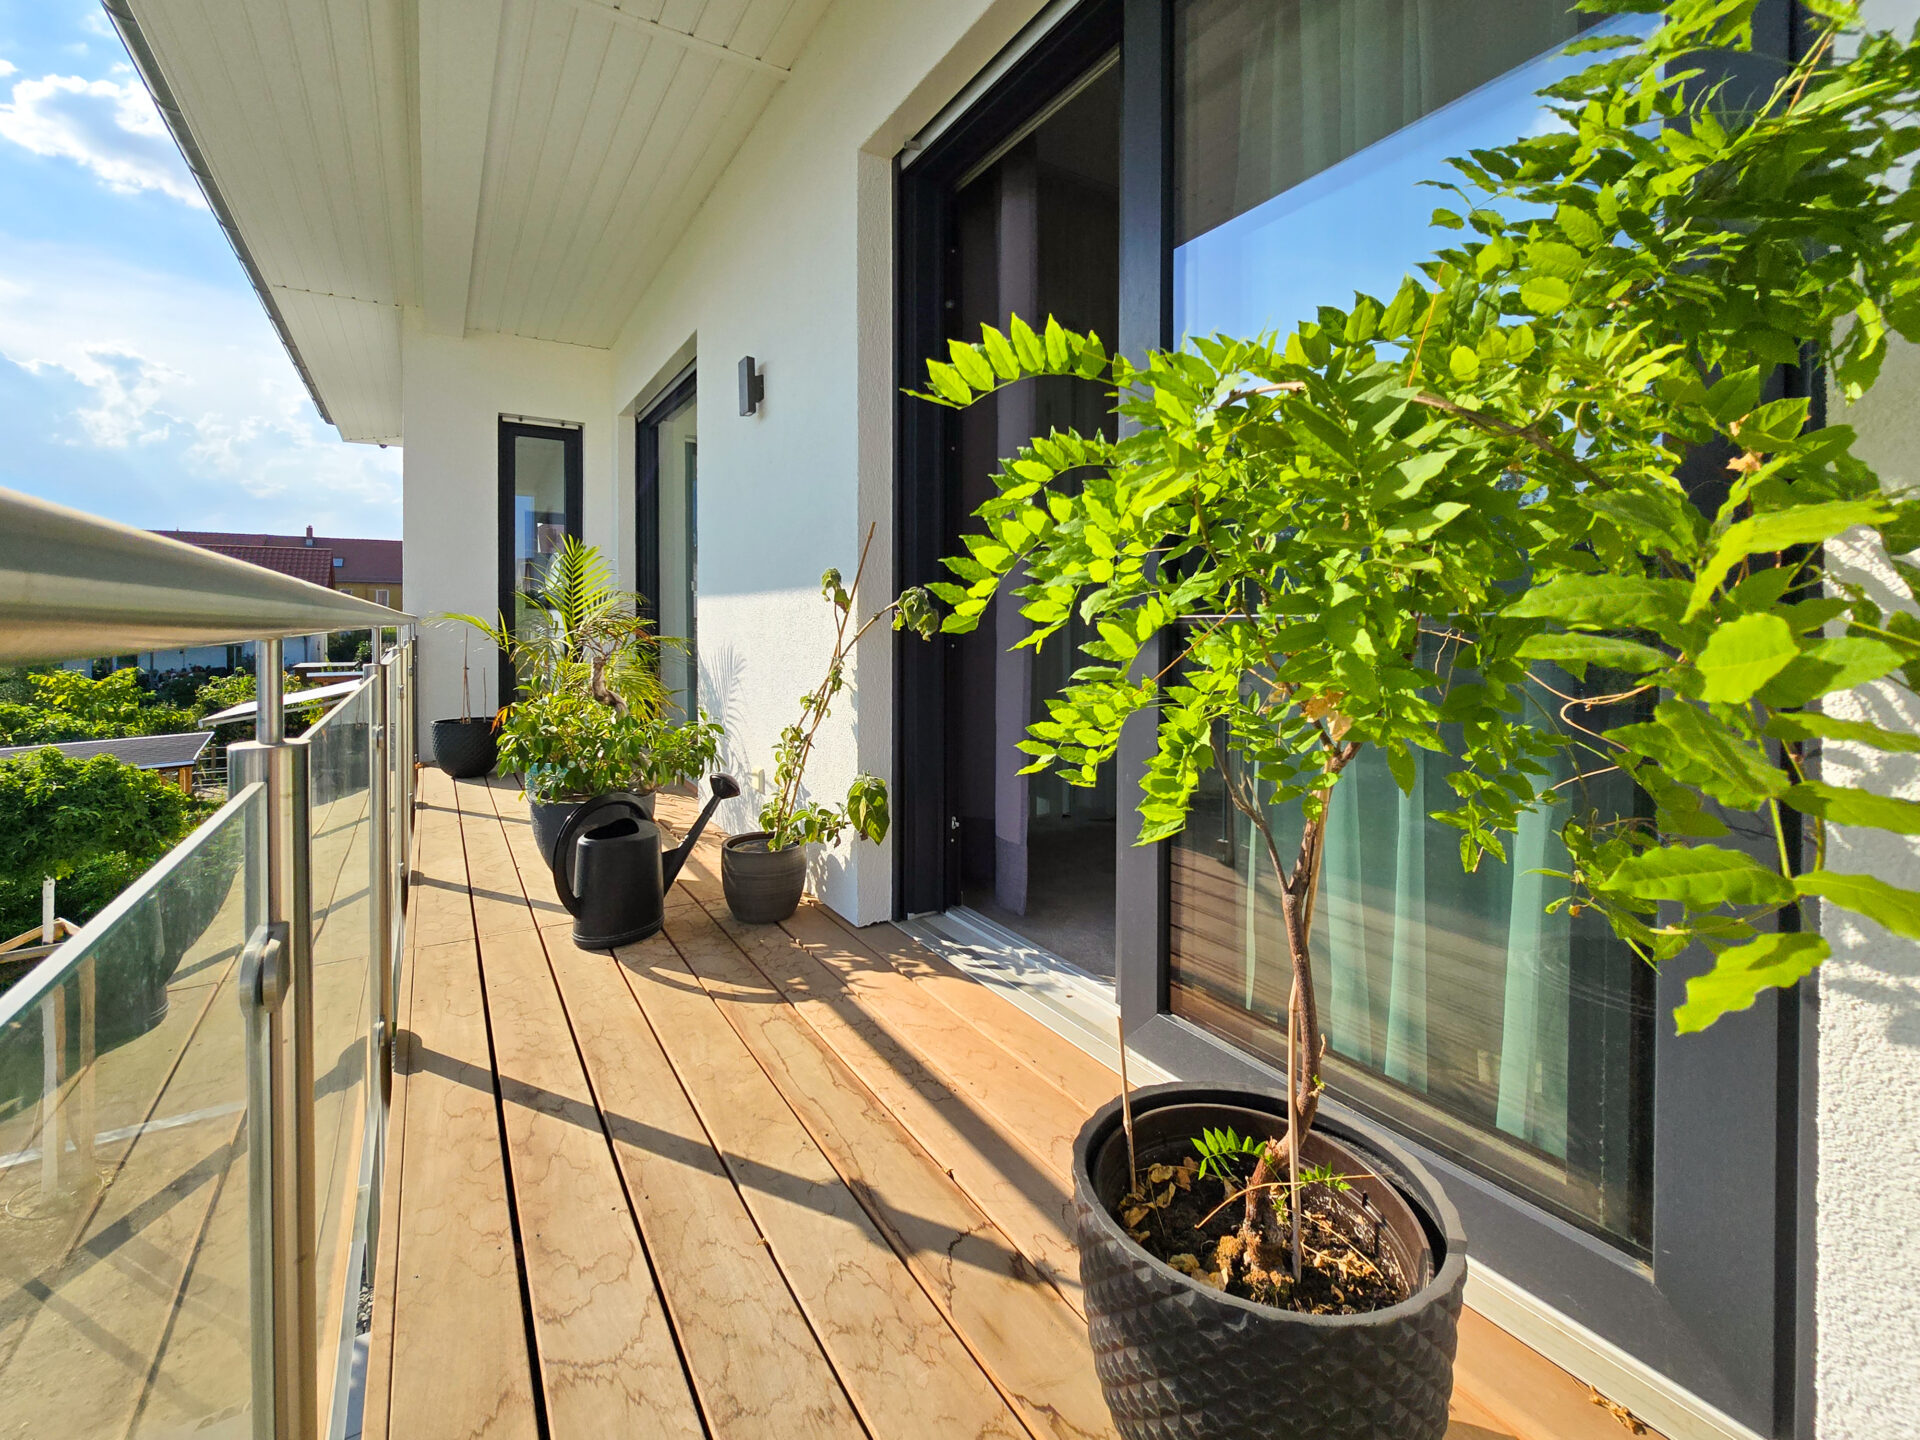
568	748
764	872
582	646
465	747
1385	530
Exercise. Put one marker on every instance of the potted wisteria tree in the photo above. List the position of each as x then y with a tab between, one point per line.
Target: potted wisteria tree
1409	525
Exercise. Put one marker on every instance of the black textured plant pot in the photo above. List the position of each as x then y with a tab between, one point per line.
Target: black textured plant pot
762	886
1179	1360
549	816
465	749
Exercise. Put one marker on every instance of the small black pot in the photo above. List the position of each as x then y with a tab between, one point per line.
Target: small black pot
1179	1360
550	817
762	886
465	749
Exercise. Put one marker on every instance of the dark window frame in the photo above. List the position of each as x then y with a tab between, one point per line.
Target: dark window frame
1724	1305
647	536
573	454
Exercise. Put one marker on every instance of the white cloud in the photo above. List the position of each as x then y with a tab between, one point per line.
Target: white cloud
108	126
96	22
7	67
185	382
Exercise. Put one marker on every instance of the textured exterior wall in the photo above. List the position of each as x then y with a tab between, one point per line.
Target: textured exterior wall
1868	1206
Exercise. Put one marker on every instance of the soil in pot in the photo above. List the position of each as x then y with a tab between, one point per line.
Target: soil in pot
1181	1357
1192	1216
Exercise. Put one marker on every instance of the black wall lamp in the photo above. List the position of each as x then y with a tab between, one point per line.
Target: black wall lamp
753	386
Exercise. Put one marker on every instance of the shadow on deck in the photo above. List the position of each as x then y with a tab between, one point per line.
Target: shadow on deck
739	1181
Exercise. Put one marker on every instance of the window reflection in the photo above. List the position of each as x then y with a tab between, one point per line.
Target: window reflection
1516	1042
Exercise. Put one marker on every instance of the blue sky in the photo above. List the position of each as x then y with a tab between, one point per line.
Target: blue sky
139	377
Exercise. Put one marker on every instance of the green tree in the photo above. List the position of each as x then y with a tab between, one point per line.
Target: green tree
1388	527
97	819
67	705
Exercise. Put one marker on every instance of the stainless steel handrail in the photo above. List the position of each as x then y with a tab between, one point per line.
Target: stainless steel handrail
74	584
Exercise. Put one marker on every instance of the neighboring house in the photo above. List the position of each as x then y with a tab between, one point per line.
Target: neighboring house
662	287
172	755
367	568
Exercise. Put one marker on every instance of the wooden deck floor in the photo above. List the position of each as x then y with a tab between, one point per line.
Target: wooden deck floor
741	1181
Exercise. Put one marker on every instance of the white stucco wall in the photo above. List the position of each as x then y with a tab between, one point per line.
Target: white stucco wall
790	261
453	393
1868	1205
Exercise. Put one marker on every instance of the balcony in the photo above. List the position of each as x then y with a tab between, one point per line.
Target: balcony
326	1128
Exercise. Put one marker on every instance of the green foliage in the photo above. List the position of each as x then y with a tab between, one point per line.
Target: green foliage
1218	1148
791	818
67	705
1385	527
579	632
678	752
567	744
97	822
350	646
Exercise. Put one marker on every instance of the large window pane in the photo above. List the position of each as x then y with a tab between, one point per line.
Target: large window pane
676	436
1303	129
539	525
1515	1042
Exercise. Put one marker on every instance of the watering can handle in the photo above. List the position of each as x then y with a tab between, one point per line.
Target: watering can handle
571	831
724	787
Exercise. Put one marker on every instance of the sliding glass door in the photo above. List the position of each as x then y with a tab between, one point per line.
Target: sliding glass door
667	548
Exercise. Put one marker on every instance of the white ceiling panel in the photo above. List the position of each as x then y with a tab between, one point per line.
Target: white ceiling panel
513	166
352	351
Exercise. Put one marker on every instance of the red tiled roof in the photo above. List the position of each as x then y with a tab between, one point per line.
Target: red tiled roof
368	562
314	566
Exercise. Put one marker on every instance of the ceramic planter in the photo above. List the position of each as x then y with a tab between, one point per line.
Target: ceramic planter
762	886
465	749
1180	1360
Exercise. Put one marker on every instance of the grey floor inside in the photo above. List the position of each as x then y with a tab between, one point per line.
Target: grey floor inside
1069	892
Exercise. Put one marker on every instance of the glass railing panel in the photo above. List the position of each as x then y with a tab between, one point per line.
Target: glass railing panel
124	1198
340	834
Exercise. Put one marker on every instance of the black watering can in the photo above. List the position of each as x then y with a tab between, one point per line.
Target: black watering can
610	871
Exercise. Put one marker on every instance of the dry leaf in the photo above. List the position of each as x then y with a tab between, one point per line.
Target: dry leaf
1619	1412
1133	1215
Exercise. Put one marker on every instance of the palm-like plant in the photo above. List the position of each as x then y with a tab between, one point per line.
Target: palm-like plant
579	633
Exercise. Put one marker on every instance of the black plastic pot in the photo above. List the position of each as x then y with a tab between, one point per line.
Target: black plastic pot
1179	1360
550	817
465	749
762	886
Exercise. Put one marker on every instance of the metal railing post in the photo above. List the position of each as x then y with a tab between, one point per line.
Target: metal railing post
281	1073
380	868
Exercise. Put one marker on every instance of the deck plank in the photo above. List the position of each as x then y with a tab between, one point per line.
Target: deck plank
1087	1082
607	1358
373	1409
1023	1196
755	1362
1021	1101
908	1374
459	1347
1029	1340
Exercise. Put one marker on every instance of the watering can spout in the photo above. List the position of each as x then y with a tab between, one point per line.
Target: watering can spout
724	787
